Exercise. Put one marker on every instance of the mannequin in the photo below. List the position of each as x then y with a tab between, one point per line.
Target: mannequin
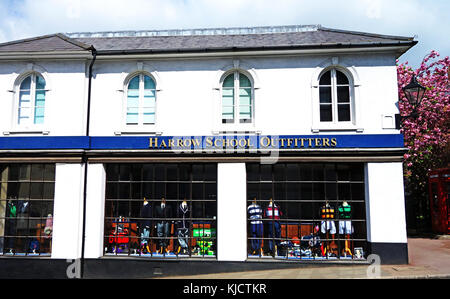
145	225
183	227
48	229
328	227
345	226
11	223
163	211
255	214
273	214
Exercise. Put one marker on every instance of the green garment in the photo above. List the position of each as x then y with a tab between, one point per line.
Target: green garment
12	210
345	212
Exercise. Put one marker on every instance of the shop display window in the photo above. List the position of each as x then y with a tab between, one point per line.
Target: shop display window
300	211
26	209
161	210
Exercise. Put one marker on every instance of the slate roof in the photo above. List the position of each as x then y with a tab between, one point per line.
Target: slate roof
47	43
202	40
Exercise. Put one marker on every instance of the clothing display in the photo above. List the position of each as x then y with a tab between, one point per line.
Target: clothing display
327	212
273	227
183	226
11	225
328	226
145	235
145	225
345	213
162	212
255	214
48	230
146	214
345	227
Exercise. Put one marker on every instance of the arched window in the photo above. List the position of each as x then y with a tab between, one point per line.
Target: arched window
237	99
31	106
141	100
335	97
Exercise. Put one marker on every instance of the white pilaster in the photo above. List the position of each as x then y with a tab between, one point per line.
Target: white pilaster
95	211
231	212
385	207
67	219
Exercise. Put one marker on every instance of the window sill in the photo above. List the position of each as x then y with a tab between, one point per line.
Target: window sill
336	128
138	130
26	132
231	128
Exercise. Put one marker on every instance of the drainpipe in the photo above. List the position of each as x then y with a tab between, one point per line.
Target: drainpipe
85	160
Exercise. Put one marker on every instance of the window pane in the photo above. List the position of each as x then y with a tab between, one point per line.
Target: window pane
26	84
325	79
325	94
245	111
24	172
149	93
341	78
245	96
244	81
229	81
134	83
40	98
24	115
40	82
132	115
344	112
49	172
149	114
149	118
133	97
149	83
37	172
39	115
343	93
325	113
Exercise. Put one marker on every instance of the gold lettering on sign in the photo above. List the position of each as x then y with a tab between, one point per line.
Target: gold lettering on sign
153	142
209	141
265	141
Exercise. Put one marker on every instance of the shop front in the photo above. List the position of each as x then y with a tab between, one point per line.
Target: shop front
278	199
247	198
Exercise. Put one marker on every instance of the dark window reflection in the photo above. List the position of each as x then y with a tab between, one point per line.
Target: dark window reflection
161	210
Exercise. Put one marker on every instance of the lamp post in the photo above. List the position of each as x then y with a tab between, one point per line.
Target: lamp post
414	92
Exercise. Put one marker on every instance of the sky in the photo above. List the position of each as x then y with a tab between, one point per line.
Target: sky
426	20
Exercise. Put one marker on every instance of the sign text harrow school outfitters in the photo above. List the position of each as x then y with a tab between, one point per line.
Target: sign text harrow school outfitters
244	142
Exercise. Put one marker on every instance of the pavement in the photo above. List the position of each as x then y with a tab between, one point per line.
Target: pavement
429	257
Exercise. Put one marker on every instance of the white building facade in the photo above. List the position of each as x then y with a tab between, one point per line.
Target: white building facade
281	142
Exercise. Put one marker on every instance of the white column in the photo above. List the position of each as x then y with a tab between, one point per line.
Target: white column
67	219
231	212
386	218
95	211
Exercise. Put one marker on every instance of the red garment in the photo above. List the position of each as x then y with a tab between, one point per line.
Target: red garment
272	212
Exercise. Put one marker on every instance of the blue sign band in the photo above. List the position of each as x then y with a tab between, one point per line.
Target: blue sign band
202	142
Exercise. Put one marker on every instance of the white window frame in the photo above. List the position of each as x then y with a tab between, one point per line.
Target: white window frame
355	123
19	81
334	97
236	121
140	123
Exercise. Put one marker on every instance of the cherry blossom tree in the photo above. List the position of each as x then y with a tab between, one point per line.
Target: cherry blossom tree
427	135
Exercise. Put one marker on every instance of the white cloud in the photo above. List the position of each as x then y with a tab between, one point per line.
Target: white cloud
373	10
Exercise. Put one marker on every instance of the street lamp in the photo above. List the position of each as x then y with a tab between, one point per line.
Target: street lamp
414	92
